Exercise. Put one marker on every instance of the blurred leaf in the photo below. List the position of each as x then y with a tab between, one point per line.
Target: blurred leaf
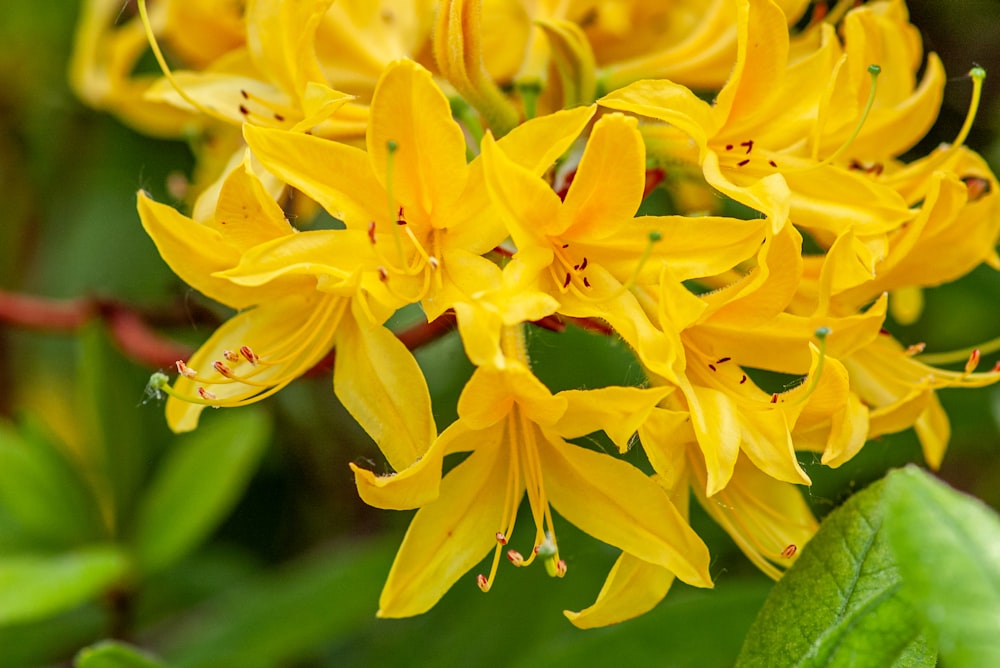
841	605
112	654
283	616
49	641
198	483
948	549
41	493
32	587
114	444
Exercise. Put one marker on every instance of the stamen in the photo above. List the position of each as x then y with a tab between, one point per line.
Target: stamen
231	356
390	162
973	362
515	557
249	355
502	539
790	551
184	370
915	349
206	394
222	369
955	356
167	73
978	74
483	583
977	186
873	71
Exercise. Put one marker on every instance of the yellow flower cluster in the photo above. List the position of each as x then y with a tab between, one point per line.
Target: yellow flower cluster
488	159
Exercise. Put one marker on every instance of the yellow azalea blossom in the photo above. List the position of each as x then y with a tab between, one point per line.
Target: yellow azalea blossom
590	249
769	138
287	321
513	427
423	208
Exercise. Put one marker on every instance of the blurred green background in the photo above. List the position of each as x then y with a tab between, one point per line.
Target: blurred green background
215	549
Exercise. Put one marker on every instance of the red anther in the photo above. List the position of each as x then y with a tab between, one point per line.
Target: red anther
743	379
244	110
583	265
560	568
222	368
772	163
483	583
729	147
536	549
502	539
433	262
206	395
249	355
712	367
371	231
515	557
749	144
996	367
774	398
723	360
383	274
569	278
246	95
743	163
977	186
184	370
790	551
586	282
231	356
973	362
916	348
278	117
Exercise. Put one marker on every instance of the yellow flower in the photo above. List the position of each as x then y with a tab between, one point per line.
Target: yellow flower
774	137
423	208
288	320
589	250
514	428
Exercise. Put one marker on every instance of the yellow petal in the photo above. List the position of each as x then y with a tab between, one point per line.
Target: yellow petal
668	102
290	334
617	411
194	252
717	426
609	181
449	536
616	503
537	143
334	253
526	203
418	484
337	176
246	213
428	168
762	515
633	588
382	387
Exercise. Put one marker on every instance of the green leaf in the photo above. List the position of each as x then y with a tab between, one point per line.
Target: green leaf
841	605
41	495
33	587
112	654
282	617
197	484
948	549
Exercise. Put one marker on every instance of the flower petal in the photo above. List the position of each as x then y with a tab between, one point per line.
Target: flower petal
616	503
427	168
633	588
382	387
449	536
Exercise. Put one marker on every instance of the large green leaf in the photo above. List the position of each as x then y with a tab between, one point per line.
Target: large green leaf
841	604
111	654
197	484
948	549
33	587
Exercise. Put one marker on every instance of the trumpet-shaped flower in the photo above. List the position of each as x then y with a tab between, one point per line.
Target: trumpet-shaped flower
514	428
